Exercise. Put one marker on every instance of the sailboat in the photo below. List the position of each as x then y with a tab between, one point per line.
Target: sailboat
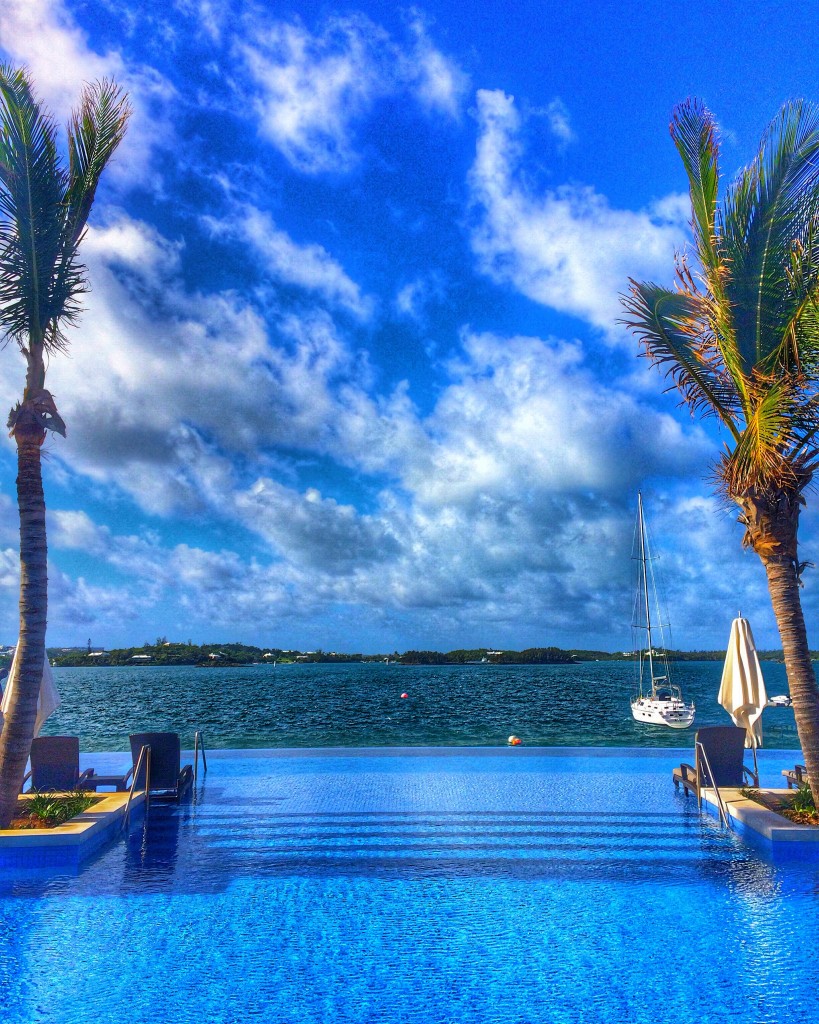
658	701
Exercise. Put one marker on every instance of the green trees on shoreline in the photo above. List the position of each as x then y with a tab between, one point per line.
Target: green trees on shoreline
236	654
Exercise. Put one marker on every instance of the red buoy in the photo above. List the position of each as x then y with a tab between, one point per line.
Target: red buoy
404	695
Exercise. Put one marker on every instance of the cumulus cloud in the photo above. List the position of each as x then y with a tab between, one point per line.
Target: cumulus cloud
74	530
43	35
308	266
495	498
495	506
314	88
504	503
314	531
527	409
566	248
168	393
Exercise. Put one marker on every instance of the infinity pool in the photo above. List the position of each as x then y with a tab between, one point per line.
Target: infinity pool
418	887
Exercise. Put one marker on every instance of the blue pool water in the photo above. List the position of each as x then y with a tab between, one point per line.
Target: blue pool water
420	887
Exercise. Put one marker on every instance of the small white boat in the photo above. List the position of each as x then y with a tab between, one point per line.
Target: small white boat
658	701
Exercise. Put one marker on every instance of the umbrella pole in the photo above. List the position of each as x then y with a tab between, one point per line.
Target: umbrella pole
756	766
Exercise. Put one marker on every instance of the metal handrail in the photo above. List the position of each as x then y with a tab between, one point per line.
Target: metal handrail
721	807
198	743
145	753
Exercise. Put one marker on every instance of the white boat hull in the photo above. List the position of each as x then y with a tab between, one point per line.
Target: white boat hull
674	713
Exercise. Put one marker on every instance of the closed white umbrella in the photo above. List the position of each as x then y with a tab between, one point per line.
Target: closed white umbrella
742	691
47	702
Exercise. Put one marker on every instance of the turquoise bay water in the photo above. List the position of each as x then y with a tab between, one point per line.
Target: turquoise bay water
361	705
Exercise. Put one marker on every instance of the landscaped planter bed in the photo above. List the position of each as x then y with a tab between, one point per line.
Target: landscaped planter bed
67	845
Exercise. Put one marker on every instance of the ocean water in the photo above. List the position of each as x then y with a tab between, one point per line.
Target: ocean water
361	705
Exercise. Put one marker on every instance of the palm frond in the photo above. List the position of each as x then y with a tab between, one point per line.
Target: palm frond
693	130
44	207
94	132
770	210
798	350
777	449
757	458
31	194
740	337
674	329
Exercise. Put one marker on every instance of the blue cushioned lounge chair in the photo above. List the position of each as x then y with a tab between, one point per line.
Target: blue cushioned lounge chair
723	748
168	779
55	765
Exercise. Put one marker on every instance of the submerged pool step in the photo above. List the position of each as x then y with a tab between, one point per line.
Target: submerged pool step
391	836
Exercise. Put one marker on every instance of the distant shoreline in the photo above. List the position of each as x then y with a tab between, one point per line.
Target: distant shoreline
166	653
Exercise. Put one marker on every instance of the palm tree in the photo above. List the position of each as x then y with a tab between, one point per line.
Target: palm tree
44	207
739	337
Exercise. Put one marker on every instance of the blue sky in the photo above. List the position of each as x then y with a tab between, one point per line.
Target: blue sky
350	373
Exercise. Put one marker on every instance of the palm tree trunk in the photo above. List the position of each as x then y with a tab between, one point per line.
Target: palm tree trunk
771	520
783	584
18	728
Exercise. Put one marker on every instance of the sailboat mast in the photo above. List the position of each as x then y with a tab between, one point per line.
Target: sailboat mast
644	563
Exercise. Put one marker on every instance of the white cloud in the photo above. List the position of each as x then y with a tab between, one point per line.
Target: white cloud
413	298
177	398
9	570
313	531
565	248
74	530
209	16
524	409
150	361
438	81
504	505
307	266
557	116
313	89
43	35
168	393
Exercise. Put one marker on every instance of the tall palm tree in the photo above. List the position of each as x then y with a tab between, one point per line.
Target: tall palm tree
44	207
739	337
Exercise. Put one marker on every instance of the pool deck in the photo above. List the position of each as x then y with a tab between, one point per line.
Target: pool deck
69	844
759	824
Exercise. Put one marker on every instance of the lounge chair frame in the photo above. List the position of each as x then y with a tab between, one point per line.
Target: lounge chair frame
796	776
55	766
715	747
168	779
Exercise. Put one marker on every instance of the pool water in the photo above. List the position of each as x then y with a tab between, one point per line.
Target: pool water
419	886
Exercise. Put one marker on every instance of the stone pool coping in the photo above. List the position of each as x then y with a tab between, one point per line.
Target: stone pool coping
69	844
761	823
499	750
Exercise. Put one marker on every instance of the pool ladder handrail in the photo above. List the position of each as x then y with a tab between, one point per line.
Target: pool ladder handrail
144	755
198	744
724	816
